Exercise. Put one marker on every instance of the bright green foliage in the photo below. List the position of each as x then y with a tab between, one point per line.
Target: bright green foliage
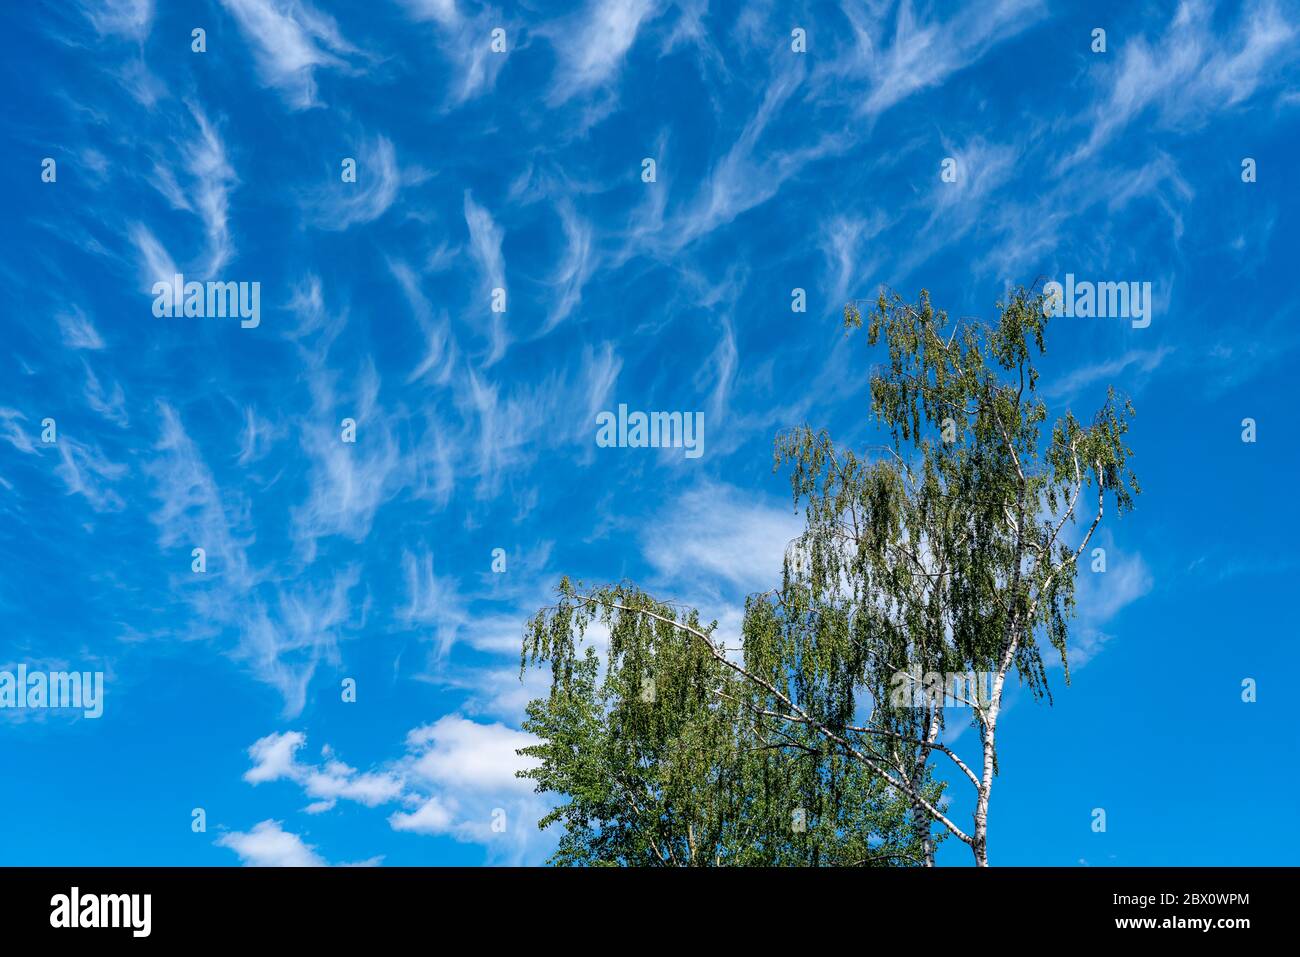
662	760
962	539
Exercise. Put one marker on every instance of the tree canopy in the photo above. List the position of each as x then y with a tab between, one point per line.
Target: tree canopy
950	549
663	757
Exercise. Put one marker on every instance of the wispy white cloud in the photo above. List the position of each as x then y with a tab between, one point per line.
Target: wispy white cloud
13	432
841	241
129	18
592	45
432	601
922	54
212	178
87	472
192	510
600	369
379	179
575	269
1193	71
465	40
981	168
110	403
1144	361
283	632
720	369
440	355
503	424
1023	231
77	329
348	481
258	435
201	184
290	40
155	263
441	11
745	177
284	643
971	202
485	239
1102	595
501	691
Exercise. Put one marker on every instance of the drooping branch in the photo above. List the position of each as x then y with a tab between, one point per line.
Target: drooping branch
803	717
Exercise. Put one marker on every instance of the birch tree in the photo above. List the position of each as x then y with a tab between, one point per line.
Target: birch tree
951	548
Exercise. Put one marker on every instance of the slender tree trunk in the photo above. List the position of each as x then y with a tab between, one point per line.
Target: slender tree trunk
980	842
989	726
923	823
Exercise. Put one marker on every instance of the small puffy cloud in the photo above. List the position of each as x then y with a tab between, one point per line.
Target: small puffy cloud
721	532
268	844
275	758
456	779
433	816
466	756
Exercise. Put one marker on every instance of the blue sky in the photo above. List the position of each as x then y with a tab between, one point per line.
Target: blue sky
522	170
